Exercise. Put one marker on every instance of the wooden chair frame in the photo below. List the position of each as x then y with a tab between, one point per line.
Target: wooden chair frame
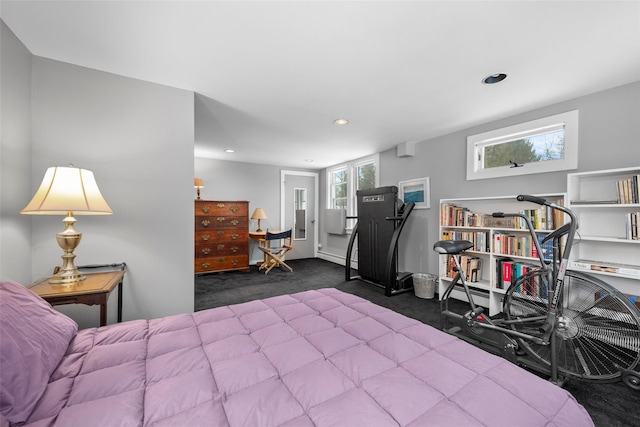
274	255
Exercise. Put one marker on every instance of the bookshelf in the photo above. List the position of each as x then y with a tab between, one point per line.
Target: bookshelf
607	205
496	241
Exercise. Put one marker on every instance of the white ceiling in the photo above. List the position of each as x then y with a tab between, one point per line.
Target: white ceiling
271	77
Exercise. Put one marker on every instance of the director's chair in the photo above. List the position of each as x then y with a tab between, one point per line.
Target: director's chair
275	246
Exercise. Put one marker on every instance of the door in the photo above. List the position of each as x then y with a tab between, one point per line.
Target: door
299	192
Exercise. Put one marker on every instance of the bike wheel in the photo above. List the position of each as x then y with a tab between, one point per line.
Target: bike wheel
597	331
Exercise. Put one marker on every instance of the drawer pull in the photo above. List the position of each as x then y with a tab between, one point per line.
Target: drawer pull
220	205
205	237
205	251
234	209
220	247
234	249
205	223
234	262
234	236
206	265
205	208
235	222
221	219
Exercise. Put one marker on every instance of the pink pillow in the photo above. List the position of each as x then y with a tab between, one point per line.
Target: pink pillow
33	339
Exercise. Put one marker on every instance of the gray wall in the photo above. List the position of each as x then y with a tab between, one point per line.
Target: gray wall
258	184
137	138
15	157
609	137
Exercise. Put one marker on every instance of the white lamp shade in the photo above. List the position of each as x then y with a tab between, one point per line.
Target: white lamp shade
68	189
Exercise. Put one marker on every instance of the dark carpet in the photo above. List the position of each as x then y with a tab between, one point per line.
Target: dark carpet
610	405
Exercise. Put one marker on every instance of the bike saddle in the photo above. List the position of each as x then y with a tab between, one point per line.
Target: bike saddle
452	247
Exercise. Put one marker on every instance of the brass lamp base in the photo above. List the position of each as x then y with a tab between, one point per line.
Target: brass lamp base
67	278
69	239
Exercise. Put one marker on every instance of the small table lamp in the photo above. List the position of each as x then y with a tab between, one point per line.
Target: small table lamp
65	191
197	184
258	214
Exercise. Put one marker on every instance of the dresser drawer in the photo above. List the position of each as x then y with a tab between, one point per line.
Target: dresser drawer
211	249
206	208
216	222
227	235
221	263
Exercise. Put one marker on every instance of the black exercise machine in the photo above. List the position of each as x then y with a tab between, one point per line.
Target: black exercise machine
381	217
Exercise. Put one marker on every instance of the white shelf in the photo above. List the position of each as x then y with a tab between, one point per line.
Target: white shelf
602	236
487	293
620	240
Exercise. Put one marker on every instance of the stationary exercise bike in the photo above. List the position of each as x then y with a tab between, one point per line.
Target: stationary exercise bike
561	323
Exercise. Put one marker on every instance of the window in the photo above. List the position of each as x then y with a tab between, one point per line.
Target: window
338	188
544	145
344	180
366	173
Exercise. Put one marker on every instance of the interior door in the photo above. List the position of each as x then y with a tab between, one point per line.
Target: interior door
299	211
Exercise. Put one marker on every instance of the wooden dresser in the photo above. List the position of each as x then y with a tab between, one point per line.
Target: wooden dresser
222	236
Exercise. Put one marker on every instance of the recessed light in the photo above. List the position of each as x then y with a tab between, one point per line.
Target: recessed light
308	160
494	78
341	121
229	150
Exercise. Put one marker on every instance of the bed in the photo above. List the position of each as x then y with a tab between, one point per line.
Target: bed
314	358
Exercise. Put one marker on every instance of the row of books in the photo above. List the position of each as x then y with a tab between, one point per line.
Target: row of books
524	246
458	216
480	239
543	218
508	272
471	267
632	225
628	190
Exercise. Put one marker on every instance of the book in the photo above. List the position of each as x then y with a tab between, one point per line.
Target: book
476	269
608	267
500	271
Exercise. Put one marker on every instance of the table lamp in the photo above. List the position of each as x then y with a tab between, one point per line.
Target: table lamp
258	214
68	191
197	184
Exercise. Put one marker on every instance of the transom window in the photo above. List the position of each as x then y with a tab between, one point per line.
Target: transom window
544	145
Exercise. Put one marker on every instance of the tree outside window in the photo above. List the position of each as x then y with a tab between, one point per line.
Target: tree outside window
339	189
366	176
538	148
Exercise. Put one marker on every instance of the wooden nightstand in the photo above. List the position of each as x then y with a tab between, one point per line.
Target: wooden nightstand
95	289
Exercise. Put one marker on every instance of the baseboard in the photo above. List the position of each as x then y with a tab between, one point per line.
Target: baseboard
337	259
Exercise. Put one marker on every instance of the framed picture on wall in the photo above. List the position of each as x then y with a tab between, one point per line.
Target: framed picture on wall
416	191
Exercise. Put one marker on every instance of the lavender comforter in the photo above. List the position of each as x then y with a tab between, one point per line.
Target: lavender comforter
315	358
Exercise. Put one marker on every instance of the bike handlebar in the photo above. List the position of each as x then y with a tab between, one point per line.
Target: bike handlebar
568	229
533	199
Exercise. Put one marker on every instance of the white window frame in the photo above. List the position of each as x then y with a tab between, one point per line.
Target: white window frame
352	179
330	174
475	144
